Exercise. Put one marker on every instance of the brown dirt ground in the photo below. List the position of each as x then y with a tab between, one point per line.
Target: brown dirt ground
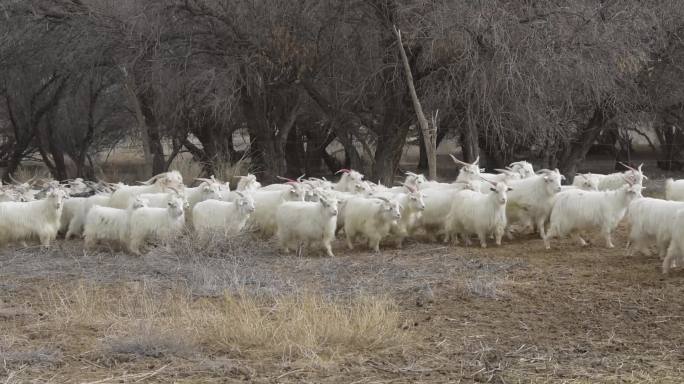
512	314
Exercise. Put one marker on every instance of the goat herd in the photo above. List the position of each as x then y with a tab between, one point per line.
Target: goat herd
311	212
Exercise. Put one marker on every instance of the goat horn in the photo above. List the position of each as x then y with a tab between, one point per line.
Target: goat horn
488	181
175	190
409	187
628	180
504	171
457	161
626	166
343	170
287	179
13	179
152	179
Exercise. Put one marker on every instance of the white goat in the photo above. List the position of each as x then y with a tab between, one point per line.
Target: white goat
504	176
676	249
75	212
349	180
248	183
674	189
161	200
109	224
21	221
437	205
531	199
469	173
580	211
122	197
371	218
412	180
584	182
156	223
412	205
523	168
9	195
208	189
228	217
618	179
267	203
307	223
651	221
478	213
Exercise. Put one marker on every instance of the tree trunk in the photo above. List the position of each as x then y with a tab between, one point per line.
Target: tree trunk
388	156
470	142
294	154
422	155
578	149
429	134
134	102
266	159
341	124
317	139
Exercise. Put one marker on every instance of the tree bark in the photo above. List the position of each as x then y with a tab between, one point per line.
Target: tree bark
132	95
577	151
341	123
470	142
430	135
422	155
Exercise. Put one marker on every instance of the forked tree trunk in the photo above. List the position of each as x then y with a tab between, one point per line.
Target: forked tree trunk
429	135
579	148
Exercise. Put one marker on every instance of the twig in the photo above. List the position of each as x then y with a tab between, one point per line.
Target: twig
139	376
289	373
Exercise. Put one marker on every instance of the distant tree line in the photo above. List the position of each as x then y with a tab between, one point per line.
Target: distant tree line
535	79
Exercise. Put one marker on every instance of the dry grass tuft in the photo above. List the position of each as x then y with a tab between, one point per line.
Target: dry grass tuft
306	326
24	173
147	340
138	322
483	285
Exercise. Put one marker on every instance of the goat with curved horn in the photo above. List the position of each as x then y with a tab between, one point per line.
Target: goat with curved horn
151	180
287	179
457	161
15	181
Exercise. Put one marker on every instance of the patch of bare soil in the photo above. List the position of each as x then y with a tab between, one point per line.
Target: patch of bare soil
240	311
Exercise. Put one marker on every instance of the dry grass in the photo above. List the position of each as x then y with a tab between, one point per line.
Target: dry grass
305	326
135	321
24	173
